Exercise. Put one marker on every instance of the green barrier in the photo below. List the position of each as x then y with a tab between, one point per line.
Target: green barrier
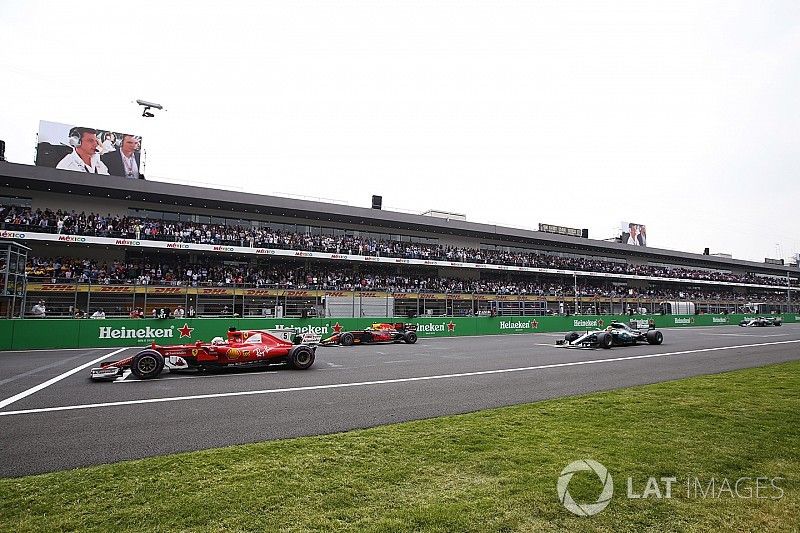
53	333
6	334
44	333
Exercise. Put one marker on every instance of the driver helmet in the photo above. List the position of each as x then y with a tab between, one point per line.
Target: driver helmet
216	341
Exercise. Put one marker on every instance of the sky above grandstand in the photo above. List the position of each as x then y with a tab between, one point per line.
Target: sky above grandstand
679	115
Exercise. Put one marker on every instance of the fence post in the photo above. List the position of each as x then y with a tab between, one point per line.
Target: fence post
133	300
75	299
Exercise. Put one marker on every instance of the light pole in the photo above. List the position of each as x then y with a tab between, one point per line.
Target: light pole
789	291
575	288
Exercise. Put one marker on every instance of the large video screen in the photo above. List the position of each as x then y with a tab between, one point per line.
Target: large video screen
634	234
87	149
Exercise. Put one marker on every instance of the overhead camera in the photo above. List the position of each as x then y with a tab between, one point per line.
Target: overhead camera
148	106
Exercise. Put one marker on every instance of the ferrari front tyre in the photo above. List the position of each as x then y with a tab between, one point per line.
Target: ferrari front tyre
346	339
571	336
654	337
301	357
147	364
605	340
411	337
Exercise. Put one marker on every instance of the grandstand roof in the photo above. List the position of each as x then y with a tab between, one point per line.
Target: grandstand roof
62	181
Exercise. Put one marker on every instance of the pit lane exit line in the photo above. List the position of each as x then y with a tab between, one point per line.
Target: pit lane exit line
384	381
68	373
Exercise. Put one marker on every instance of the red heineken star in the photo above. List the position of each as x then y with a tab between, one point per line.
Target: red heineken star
186	331
534	324
337	327
451	326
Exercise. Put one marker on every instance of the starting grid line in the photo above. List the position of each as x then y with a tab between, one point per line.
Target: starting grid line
363	383
37	388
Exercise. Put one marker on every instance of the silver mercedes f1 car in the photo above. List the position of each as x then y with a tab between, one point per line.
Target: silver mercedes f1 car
761	322
616	334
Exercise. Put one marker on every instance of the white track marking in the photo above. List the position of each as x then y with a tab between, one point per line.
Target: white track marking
37	388
398	361
39	369
141	381
4	352
332	365
751	335
384	381
124	376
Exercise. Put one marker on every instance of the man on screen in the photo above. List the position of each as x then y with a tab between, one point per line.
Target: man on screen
633	234
125	161
84	156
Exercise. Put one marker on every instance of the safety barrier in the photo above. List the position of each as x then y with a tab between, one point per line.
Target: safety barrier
31	334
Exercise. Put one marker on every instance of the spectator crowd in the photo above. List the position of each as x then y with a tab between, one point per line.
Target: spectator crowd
93	224
170	271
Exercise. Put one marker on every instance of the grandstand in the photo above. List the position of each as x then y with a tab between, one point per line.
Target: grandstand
126	246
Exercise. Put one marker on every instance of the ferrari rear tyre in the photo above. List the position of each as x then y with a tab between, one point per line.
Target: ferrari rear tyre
654	337
605	340
571	336
301	357
411	337
347	339
147	364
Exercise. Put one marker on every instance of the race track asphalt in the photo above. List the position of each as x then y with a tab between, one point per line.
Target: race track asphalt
69	423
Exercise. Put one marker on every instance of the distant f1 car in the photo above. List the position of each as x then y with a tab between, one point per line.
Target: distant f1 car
616	334
377	333
761	322
242	348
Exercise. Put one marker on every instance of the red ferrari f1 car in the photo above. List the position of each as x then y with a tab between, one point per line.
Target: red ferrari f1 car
242	348
398	332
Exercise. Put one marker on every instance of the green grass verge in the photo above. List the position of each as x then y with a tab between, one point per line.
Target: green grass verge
486	471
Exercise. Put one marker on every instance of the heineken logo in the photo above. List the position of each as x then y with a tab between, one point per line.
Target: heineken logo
519	324
684	321
578	323
148	332
436	328
719	320
432	328
317	330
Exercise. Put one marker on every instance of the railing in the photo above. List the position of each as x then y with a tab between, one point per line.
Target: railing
71	298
